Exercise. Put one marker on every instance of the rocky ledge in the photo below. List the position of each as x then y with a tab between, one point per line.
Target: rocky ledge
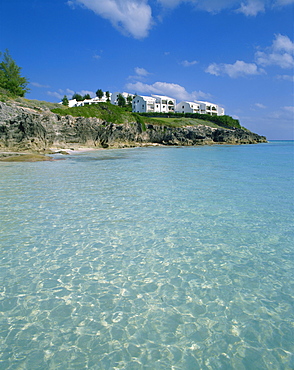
23	129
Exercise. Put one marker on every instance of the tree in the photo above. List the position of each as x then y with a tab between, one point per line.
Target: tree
129	99
78	97
107	96
87	96
99	93
65	101
10	78
121	101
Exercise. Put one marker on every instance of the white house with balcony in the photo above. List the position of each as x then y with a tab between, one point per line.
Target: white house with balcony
211	108
153	104
164	104
188	107
200	107
143	104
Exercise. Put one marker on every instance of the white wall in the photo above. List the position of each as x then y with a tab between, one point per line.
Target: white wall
164	104
199	107
143	104
155	103
188	107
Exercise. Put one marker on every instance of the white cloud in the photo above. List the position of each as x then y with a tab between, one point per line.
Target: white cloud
284	60
68	92
259	105
55	94
59	94
134	17
71	4
141	71
280	53
37	84
131	17
212	6
170	89
285	113
238	69
186	63
289	109
140	74
252	8
286	77
85	92
248	8
284	2
283	43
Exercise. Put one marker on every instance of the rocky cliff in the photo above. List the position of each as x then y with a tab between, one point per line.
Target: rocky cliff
24	129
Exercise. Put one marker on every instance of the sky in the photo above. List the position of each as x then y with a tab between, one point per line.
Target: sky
238	54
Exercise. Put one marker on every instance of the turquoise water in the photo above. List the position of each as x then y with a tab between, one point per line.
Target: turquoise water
149	258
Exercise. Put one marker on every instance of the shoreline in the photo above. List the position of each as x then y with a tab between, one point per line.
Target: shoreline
38	156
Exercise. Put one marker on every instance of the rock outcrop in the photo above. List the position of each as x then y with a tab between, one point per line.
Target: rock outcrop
23	129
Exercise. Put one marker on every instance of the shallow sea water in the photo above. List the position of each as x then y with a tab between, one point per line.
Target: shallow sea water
149	258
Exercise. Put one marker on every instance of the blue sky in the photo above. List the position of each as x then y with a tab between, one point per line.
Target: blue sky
238	54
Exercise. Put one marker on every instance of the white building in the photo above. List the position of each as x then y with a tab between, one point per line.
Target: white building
114	97
212	109
75	103
154	103
220	111
164	104
72	103
143	104
188	107
96	100
200	107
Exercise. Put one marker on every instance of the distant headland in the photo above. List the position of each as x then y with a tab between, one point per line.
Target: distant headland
31	126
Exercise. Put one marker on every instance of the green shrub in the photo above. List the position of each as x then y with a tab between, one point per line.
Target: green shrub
105	111
223	121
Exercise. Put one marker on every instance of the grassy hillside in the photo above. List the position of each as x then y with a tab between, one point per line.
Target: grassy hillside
38	105
105	111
